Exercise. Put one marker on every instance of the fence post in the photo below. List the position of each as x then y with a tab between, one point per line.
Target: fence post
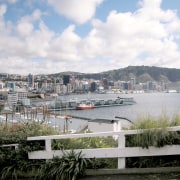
48	144
121	144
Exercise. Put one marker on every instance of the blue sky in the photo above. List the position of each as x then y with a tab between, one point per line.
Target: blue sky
90	36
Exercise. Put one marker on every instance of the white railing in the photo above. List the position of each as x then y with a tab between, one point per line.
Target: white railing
11	145
120	152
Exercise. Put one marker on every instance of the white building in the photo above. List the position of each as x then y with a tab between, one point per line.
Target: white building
22	94
15	96
1	85
12	98
104	125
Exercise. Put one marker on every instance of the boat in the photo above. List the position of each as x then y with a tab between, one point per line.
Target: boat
84	106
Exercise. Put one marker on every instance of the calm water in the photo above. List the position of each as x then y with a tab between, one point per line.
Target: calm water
153	104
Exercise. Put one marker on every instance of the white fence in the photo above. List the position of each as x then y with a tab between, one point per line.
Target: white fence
120	152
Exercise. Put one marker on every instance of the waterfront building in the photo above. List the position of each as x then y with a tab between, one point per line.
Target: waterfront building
85	86
11	86
57	88
105	83
31	80
69	88
1	85
125	85
3	76
12	98
66	79
22	94
133	83
93	87
64	89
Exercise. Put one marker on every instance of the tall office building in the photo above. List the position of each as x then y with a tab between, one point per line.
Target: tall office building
133	83
66	79
31	80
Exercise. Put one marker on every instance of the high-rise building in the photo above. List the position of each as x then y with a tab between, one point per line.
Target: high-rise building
133	83
105	83
66	79
11	86
31	80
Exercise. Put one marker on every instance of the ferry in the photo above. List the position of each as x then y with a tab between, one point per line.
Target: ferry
85	106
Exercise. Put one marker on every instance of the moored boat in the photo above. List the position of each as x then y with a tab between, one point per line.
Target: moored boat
84	106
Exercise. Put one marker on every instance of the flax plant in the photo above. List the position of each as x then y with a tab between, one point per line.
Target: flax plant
71	166
153	131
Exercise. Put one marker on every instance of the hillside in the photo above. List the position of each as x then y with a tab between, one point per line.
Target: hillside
141	73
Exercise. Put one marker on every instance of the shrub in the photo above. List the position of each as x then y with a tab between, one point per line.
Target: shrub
71	166
153	132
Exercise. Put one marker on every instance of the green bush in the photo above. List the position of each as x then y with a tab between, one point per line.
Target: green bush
14	163
71	166
153	132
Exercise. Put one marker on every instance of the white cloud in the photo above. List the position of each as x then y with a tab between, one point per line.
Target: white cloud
124	37
133	38
3	9
64	46
150	4
25	28
35	16
25	25
12	1
79	11
24	40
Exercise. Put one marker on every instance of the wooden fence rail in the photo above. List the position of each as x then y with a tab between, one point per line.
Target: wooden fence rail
120	152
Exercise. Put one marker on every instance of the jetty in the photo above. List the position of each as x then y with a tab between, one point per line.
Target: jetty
98	103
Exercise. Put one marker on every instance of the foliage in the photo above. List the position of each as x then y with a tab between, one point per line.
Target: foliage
13	161
150	162
83	143
153	132
141	73
15	133
70	166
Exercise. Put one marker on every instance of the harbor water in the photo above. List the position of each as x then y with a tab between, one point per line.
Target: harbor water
147	104
153	104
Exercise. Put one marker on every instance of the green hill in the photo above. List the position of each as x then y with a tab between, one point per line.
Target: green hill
141	73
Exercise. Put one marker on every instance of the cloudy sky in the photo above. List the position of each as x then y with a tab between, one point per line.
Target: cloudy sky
50	36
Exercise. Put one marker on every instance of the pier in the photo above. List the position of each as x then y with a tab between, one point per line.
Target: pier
98	103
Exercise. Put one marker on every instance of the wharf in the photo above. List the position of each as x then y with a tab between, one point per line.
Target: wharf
73	103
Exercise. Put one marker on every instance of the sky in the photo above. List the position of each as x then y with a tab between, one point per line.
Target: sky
88	36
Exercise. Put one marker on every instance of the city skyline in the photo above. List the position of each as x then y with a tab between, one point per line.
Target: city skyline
51	36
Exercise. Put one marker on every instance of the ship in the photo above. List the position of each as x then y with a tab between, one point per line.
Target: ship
81	104
85	106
